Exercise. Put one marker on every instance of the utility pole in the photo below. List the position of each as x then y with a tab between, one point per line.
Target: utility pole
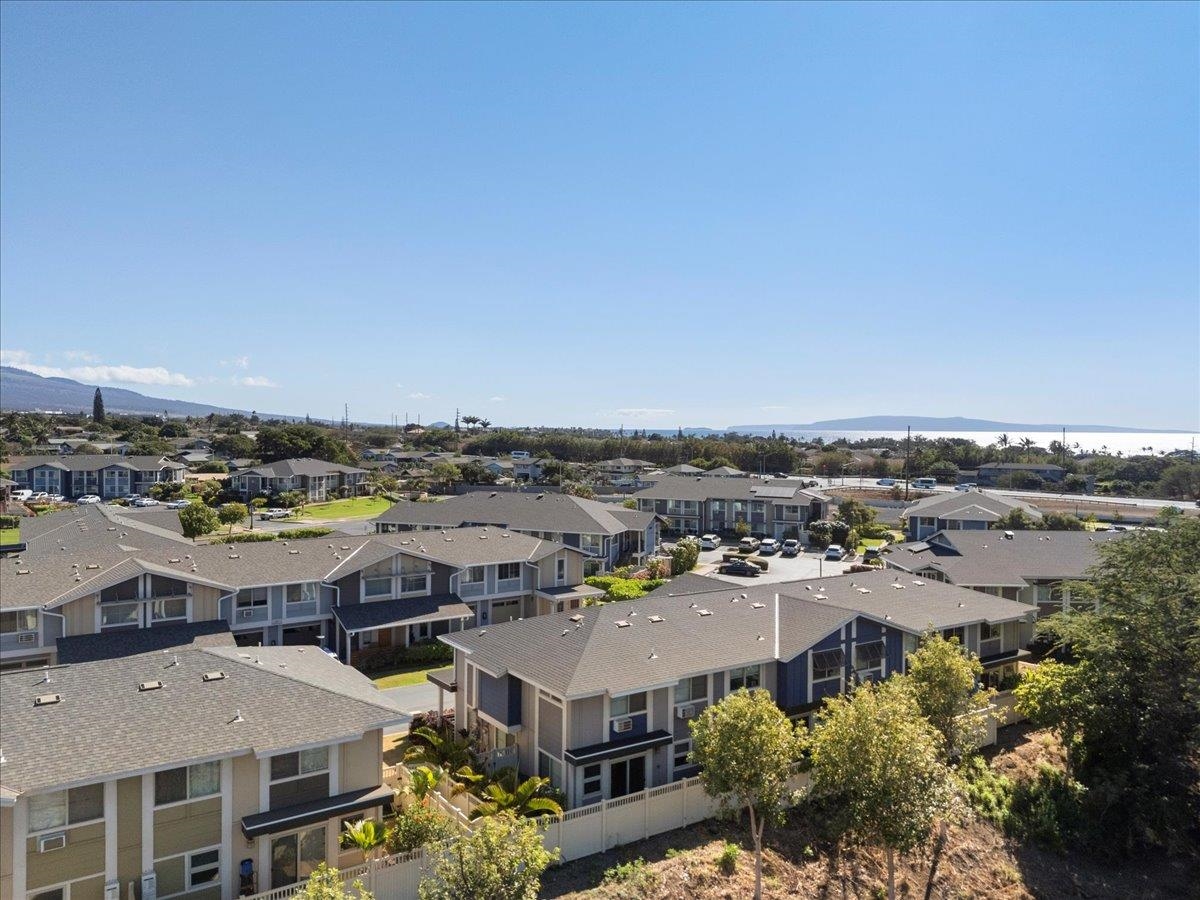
907	448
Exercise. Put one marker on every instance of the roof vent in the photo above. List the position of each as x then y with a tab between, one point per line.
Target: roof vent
655	619
235	556
757	605
149	686
1008	535
578	617
47	699
653	655
733	599
173	559
704	612
621	623
345	546
760	637
212	676
22	571
919	583
92	566
237	717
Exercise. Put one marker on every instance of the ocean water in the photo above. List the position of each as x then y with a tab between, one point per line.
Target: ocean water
1127	443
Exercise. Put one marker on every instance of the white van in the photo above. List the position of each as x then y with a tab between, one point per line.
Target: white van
22	495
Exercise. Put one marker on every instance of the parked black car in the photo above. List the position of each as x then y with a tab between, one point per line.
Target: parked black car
740	567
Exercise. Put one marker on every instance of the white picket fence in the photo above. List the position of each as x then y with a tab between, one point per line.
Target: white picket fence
396	876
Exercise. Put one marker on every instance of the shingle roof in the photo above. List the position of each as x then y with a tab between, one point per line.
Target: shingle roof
724	472
529	512
674	487
402	611
287	467
286	697
585	652
684	469
90	462
480	546
107	645
97	527
959	505
988	558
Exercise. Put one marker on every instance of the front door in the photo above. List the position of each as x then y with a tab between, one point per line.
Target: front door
627	776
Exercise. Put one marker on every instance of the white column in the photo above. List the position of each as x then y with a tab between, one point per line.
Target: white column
110	831
20	837
228	878
147	823
264	842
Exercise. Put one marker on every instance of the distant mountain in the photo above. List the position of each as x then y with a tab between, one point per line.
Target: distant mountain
934	423
25	391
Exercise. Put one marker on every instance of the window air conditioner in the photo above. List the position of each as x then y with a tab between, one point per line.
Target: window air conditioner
247	613
685	712
620	726
48	842
27	637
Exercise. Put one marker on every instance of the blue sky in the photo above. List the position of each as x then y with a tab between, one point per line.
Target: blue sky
609	214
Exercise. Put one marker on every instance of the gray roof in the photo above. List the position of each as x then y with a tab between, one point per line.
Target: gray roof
593	654
978	505
723	472
401	611
684	469
284	468
674	487
89	462
989	558
286	697
529	512
127	642
480	546
100	526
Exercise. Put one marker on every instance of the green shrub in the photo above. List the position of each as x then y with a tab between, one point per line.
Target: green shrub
417	826
988	792
298	533
248	537
875	531
10	521
1047	810
727	861
385	659
632	874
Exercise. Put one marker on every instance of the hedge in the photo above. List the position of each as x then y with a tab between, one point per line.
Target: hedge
249	537
384	659
296	533
10	521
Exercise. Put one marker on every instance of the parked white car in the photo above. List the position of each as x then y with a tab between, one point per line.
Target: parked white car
177	504
145	501
970	485
748	544
39	497
768	546
710	542
56	498
835	552
87	499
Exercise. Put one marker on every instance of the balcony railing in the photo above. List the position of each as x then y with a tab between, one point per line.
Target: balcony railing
471	589
508	585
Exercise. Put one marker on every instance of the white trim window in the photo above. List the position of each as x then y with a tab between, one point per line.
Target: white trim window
299	776
828	666
472	575
305	592
60	809
18	620
868	660
120	615
253	598
991	638
549	767
187	783
196	870
681	751
629	705
748	677
960	632
510	571
592	782
692	690
171	610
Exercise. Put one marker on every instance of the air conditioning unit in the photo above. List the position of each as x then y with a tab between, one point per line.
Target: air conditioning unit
685	712
620	726
48	842
247	613
27	637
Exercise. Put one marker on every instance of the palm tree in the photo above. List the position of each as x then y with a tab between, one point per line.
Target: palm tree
441	751
365	834
522	800
1003	442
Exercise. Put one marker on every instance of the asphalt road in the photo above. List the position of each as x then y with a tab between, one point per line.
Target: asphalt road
779	568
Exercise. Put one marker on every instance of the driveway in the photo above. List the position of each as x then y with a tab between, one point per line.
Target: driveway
779	568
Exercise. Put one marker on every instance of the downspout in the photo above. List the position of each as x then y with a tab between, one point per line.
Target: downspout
776	625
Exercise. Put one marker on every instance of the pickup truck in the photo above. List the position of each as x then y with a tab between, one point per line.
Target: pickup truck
275	512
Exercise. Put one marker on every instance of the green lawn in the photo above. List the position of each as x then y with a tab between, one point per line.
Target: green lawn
354	508
869	542
10	535
406	676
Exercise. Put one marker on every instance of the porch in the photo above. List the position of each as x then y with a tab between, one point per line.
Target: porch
396	623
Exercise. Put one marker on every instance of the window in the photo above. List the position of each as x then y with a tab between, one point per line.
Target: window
18	620
591	780
126	590
167	587
187	783
295	856
377	587
591	543
560	570
627	706
62	808
508	571
163	610
748	677
293	765
252	598
989	632
120	615
682	749
828	664
868	659
204	867
690	689
302	593
549	767
960	633
473	575
52	894
412	584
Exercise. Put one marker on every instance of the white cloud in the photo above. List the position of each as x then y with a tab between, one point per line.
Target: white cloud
498	399
640	412
80	356
417	395
98	374
255	381
238	362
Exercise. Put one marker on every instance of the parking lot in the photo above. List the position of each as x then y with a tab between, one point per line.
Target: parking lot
779	568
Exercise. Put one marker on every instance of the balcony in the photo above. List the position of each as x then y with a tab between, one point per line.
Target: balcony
471	589
508	586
